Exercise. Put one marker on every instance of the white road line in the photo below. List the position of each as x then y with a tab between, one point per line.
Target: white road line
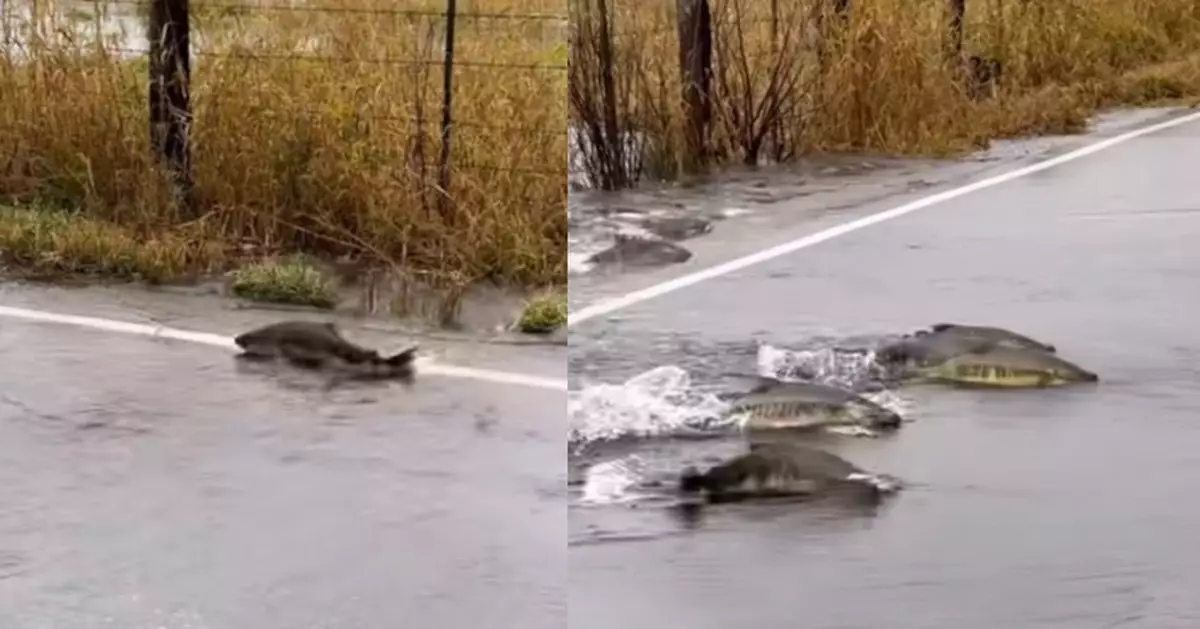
424	365
609	306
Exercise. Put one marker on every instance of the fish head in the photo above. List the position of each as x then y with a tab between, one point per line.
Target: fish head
878	417
692	481
246	339
257	343
1067	372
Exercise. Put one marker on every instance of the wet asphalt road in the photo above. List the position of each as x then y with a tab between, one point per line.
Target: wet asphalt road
156	484
1068	508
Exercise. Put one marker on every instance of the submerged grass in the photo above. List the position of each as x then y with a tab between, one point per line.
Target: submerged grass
313	132
790	77
292	282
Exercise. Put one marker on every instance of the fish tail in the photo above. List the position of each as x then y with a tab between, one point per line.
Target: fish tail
401	359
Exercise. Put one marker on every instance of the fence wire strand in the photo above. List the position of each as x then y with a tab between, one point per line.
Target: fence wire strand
415	13
495	65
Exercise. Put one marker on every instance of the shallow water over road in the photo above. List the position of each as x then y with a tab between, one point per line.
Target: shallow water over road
1064	508
156	484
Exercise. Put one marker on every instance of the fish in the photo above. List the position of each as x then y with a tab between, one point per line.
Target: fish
903	359
1008	367
320	345
775	404
1001	336
783	470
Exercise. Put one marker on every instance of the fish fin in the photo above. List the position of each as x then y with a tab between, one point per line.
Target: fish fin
758	383
402	358
763	383
983	347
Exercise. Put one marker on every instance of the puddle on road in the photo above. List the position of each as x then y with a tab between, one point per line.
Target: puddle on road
399	499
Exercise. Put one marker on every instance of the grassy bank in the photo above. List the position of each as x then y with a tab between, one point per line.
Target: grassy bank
886	81
329	156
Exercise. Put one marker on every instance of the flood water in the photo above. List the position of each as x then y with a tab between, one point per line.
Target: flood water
1064	508
148	484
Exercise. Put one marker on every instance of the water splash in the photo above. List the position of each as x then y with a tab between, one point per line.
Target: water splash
579	262
852	369
613	481
849	369
590	236
659	402
664	401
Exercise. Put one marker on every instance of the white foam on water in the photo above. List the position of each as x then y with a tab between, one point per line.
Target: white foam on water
579	262
610	482
663	401
827	365
658	402
883	482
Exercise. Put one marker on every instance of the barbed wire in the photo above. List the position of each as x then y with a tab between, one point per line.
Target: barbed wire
455	164
399	61
472	124
459	165
470	15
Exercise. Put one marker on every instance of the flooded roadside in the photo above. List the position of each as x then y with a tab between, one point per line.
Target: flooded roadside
154	483
1068	502
726	211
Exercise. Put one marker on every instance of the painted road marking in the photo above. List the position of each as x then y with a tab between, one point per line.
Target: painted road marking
609	306
425	365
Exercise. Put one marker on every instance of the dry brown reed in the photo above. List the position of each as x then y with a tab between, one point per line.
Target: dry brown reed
789	78
334	155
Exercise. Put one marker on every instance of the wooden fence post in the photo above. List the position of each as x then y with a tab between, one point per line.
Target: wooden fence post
616	143
826	31
170	81
445	201
695	62
958	13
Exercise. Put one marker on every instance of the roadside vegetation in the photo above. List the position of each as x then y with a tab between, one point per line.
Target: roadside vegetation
292	282
794	77
49	242
328	157
544	313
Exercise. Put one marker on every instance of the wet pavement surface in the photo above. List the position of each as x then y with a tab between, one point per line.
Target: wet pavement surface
1065	508
158	484
741	207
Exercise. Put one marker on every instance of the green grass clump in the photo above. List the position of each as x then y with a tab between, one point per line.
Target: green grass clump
290	282
544	314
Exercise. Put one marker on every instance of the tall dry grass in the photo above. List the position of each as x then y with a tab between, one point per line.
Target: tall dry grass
787	80
292	153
